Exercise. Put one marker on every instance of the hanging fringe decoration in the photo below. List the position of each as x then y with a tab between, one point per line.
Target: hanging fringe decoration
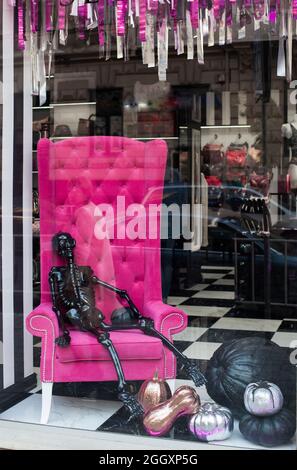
156	23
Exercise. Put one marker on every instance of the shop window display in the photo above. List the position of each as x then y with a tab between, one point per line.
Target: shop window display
135	104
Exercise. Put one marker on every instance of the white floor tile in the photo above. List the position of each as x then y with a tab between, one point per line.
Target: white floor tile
214	294
286	340
172	300
190	334
224	282
252	324
75	413
201	311
212	275
1	352
198	287
201	350
225	268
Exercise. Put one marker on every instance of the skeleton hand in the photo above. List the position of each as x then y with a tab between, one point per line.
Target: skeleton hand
64	340
147	324
132	405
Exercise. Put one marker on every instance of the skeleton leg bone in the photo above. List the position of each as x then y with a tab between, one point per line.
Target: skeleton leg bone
130	402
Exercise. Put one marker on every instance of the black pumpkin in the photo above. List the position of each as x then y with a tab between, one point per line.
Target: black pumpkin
237	363
122	316
269	431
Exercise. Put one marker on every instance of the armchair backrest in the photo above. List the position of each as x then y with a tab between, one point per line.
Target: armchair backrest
80	173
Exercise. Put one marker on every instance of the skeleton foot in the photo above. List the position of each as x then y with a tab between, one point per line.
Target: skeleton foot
133	406
63	341
193	372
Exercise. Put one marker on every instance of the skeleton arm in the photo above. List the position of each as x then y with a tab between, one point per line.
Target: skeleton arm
64	339
123	294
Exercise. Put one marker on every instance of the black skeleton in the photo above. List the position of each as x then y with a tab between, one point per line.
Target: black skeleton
73	295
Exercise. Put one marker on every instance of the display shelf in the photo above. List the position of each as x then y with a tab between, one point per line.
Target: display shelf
41	107
155	138
234	126
84	103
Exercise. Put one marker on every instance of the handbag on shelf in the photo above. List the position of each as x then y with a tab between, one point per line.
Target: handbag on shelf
93	125
86	126
62	130
236	157
212	154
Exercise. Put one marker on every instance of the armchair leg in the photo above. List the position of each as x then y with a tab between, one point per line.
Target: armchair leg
47	389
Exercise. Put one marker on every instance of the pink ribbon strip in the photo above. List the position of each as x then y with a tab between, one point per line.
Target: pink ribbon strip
34	16
194	12
142	20
61	17
21	24
294	9
216	9
49	15
101	31
82	18
121	15
272	11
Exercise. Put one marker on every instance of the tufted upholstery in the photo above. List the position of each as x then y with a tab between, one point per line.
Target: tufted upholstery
75	175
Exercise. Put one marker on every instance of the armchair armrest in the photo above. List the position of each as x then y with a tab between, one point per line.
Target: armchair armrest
42	321
168	320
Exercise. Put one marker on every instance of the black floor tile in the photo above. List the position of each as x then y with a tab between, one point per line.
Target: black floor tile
119	423
277	313
1	376
216	335
207	281
217	287
93	390
229	276
215	270
36	356
182	345
183	293
288	326
201	322
208	302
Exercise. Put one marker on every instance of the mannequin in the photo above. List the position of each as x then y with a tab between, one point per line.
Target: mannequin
289	131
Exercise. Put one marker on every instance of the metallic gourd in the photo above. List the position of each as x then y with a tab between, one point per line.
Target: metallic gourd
159	420
153	392
212	423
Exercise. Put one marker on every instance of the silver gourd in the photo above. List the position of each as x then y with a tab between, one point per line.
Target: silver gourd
263	399
212	423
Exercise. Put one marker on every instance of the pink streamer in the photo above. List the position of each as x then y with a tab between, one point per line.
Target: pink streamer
121	16
61	17
173	13
142	20
216	9
82	18
229	19
101	32
49	15
194	11
34	16
294	9
21	24
272	11
154	7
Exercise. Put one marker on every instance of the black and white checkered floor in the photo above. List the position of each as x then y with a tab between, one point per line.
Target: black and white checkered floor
213	320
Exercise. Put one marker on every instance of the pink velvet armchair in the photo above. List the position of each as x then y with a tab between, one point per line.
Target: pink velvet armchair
75	176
